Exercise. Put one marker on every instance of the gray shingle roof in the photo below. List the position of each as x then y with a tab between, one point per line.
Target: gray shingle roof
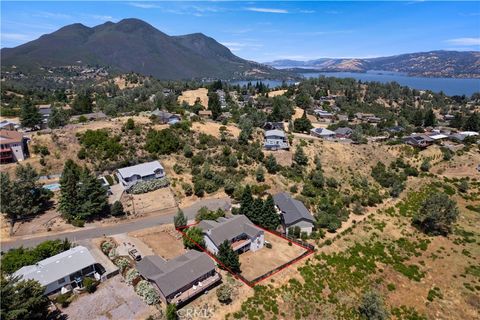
292	209
172	275
229	228
343	130
143	169
59	266
275	133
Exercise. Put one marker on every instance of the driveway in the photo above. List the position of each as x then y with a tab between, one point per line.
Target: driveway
121	227
113	299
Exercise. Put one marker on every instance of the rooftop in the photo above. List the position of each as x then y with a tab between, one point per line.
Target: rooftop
172	275
143	169
61	265
292	209
275	132
227	229
9	136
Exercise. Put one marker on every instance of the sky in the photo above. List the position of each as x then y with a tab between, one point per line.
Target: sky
270	30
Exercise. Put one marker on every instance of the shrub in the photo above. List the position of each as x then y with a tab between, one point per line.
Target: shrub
224	294
147	186
436	215
145	290
372	307
122	264
107	246
131	275
268	245
78	223
64	299
171	312
117	209
90	284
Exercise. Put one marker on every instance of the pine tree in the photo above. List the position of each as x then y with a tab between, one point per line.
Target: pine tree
30	117
256	214
214	105
271	164
69	201
430	119
58	118
228	257
473	122
246	202
260	174
270	217
179	220
299	157
91	194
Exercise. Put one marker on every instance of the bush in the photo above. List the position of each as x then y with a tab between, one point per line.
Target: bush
107	246
131	275
78	223
268	245
436	215
122	264
171	312
224	294
117	209
187	188
372	307
64	299
147	186
145	290
90	284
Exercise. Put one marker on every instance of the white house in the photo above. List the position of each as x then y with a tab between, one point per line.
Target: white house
238	230
275	139
322	133
66	269
129	176
293	213
13	146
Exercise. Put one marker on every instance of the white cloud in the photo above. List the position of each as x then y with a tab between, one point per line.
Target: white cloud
307	11
103	18
239	46
267	10
464	41
143	5
16	36
45	14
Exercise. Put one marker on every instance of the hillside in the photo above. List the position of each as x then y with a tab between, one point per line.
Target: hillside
429	64
134	45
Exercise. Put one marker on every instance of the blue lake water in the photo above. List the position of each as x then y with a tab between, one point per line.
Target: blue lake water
450	86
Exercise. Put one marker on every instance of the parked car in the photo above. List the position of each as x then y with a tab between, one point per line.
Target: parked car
135	254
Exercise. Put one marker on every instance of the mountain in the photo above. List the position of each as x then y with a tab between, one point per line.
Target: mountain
134	45
457	64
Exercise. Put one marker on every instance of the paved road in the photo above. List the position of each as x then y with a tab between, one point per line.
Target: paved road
127	226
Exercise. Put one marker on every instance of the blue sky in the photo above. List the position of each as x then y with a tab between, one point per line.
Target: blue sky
268	30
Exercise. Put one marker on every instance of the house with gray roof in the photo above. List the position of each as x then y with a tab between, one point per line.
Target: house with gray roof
64	270
275	139
129	176
322	133
293	213
238	230
181	279
343	132
166	117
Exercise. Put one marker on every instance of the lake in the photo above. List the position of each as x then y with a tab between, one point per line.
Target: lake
450	86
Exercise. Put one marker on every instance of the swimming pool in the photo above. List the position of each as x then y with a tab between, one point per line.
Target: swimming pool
52	186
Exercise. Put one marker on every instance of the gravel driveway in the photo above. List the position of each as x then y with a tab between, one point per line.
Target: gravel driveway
113	299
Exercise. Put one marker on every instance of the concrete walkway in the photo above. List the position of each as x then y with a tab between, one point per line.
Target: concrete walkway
122	227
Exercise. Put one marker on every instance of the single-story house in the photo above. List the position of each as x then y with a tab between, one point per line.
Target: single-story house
224	116
275	139
8	125
238	230
323	114
94	116
13	146
273	125
374	119
64	270
129	176
460	136
438	136
322	133
421	140
448	117
343	132
293	213
396	129
181	279
205	113
166	117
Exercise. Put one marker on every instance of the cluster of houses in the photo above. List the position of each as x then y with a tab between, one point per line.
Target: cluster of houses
423	140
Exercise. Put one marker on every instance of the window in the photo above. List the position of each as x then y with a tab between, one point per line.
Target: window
62	280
